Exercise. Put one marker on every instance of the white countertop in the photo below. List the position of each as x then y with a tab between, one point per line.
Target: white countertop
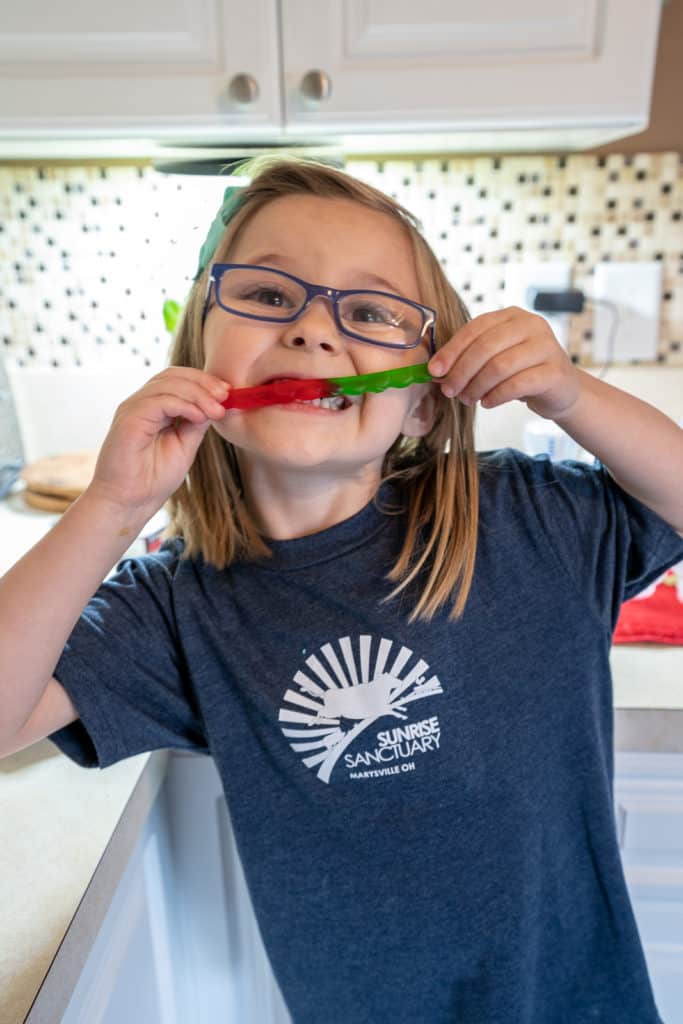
21	527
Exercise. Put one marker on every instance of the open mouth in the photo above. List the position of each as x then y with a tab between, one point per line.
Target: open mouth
336	403
333	403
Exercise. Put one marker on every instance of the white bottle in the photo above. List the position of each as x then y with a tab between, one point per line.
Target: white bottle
544	437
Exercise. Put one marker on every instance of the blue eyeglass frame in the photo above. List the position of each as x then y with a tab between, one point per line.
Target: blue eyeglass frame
334	294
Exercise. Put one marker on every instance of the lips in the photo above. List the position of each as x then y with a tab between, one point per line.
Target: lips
288	376
309	391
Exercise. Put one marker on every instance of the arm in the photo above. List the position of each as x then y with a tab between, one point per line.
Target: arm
513	354
149	449
41	598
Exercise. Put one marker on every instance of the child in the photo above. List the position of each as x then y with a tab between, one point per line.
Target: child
415	743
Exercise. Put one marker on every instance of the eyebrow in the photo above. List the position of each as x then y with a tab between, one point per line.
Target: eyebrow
271	258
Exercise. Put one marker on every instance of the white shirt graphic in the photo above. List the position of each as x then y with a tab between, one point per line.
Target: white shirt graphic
333	691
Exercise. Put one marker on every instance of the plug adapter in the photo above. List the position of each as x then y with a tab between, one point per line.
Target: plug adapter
547	300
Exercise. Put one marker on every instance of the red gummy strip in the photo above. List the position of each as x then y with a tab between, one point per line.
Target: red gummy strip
278	392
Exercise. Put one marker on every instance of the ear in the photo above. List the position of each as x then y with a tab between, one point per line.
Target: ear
420	417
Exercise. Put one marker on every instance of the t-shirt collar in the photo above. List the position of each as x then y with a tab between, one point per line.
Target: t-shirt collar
345	536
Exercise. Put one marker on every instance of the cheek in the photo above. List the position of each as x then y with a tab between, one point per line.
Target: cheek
227	353
234	429
385	413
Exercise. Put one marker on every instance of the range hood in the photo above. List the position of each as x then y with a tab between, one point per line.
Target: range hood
487	139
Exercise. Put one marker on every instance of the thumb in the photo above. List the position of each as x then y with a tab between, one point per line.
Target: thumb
191	435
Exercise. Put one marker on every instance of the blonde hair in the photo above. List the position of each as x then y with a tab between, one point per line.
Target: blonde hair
437	473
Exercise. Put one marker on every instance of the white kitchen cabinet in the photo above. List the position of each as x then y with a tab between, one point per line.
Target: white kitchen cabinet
369	75
649	810
171	67
134	969
180	941
441	65
224	959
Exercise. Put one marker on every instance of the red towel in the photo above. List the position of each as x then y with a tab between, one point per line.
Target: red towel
656	615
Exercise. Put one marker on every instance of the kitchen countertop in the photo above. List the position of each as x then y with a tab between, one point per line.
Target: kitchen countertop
71	834
59	874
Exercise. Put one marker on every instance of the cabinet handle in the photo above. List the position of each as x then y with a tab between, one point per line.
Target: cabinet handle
621	825
316	85
243	88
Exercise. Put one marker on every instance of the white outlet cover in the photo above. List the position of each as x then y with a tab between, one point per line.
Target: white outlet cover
634	291
519	277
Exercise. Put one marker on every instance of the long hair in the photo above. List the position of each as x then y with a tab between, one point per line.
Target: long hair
437	474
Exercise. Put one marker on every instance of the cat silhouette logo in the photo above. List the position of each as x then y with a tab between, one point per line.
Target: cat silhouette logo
341	693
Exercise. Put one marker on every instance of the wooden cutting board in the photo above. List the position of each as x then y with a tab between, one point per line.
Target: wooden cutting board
52	484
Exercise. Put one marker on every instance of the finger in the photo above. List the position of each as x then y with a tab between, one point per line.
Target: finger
443	361
488	346
215	385
190	434
500	367
200	407
155	414
529	383
192	390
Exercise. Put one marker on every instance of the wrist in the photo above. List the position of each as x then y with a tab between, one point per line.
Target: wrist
571	415
124	521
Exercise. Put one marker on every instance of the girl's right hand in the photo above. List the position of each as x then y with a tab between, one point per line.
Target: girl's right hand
153	439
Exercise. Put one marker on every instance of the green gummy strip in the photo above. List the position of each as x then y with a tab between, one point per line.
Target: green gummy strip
398	378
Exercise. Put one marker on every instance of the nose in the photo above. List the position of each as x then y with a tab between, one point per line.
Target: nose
314	328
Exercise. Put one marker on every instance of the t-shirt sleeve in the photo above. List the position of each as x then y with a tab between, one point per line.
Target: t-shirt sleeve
124	670
609	543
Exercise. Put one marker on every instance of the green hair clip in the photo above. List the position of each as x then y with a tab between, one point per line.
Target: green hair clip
232	198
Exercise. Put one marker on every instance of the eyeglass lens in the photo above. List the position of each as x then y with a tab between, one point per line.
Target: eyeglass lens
269	295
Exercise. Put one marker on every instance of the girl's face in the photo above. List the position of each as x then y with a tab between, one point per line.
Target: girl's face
341	244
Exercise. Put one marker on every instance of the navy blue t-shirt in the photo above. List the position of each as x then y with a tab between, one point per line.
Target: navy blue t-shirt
423	810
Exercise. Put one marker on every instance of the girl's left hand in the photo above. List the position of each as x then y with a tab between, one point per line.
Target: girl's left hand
505	355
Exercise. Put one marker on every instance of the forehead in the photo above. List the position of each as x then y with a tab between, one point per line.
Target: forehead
338	236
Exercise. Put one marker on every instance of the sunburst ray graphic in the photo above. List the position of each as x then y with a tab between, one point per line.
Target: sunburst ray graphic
338	688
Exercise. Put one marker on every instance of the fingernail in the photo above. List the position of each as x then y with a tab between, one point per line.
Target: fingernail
436	368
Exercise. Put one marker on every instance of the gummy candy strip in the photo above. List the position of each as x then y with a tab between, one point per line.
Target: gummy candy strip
279	392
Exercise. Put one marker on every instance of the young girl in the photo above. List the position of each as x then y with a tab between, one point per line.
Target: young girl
396	649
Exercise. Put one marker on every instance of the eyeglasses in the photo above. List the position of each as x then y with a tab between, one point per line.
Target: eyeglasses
378	318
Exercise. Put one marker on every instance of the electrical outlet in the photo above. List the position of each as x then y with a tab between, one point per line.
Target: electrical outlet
627	326
548	274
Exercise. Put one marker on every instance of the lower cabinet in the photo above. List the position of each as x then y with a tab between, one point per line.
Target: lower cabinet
131	973
648	796
180	941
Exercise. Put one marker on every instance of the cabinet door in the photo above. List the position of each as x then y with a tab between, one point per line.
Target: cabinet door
226	967
649	811
134	969
454	65
136	67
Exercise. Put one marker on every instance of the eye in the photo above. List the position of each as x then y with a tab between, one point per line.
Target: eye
267	295
373	313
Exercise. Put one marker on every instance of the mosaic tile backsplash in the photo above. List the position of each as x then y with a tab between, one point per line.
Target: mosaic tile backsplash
88	255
